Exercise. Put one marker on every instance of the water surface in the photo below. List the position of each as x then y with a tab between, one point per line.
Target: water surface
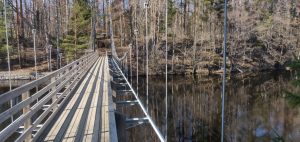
257	108
263	107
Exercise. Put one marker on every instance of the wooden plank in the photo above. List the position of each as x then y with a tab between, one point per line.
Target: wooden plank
66	124
64	114
83	123
89	129
88	138
53	132
55	129
69	90
91	104
105	118
97	124
75	126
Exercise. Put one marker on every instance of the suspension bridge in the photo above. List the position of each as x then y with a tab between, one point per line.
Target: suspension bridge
74	103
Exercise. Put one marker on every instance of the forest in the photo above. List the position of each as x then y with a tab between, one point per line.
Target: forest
262	34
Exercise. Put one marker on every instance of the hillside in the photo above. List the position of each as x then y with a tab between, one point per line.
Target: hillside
262	34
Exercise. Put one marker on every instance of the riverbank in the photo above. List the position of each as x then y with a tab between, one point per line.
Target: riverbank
22	74
187	57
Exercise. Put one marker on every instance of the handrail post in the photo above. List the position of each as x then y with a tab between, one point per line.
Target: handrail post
53	79
83	62
68	72
26	109
79	64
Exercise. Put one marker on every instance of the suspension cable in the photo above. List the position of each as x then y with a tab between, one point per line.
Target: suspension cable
130	62
8	56
7	48
34	50
224	69
126	67
166	134
57	39
147	56
137	51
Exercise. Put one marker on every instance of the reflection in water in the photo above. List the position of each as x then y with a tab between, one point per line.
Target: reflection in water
293	94
264	107
256	109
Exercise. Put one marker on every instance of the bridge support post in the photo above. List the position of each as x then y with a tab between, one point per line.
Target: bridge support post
87	60
53	79
27	123
84	62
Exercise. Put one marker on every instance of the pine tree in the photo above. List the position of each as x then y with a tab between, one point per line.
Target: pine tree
78	35
171	12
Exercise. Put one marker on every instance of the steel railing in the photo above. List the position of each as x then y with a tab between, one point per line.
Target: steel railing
33	112
148	117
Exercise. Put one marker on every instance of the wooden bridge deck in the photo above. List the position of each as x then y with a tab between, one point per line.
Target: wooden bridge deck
86	115
73	103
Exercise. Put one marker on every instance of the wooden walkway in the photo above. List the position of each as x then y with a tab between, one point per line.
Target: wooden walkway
72	104
86	116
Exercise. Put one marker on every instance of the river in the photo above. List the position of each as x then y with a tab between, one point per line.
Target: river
261	107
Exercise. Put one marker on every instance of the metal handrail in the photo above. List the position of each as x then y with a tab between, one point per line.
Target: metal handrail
66	77
155	128
18	91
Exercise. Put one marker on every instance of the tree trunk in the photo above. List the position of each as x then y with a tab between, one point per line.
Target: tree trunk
18	34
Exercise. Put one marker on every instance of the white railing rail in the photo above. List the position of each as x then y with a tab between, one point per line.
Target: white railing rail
155	128
33	112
